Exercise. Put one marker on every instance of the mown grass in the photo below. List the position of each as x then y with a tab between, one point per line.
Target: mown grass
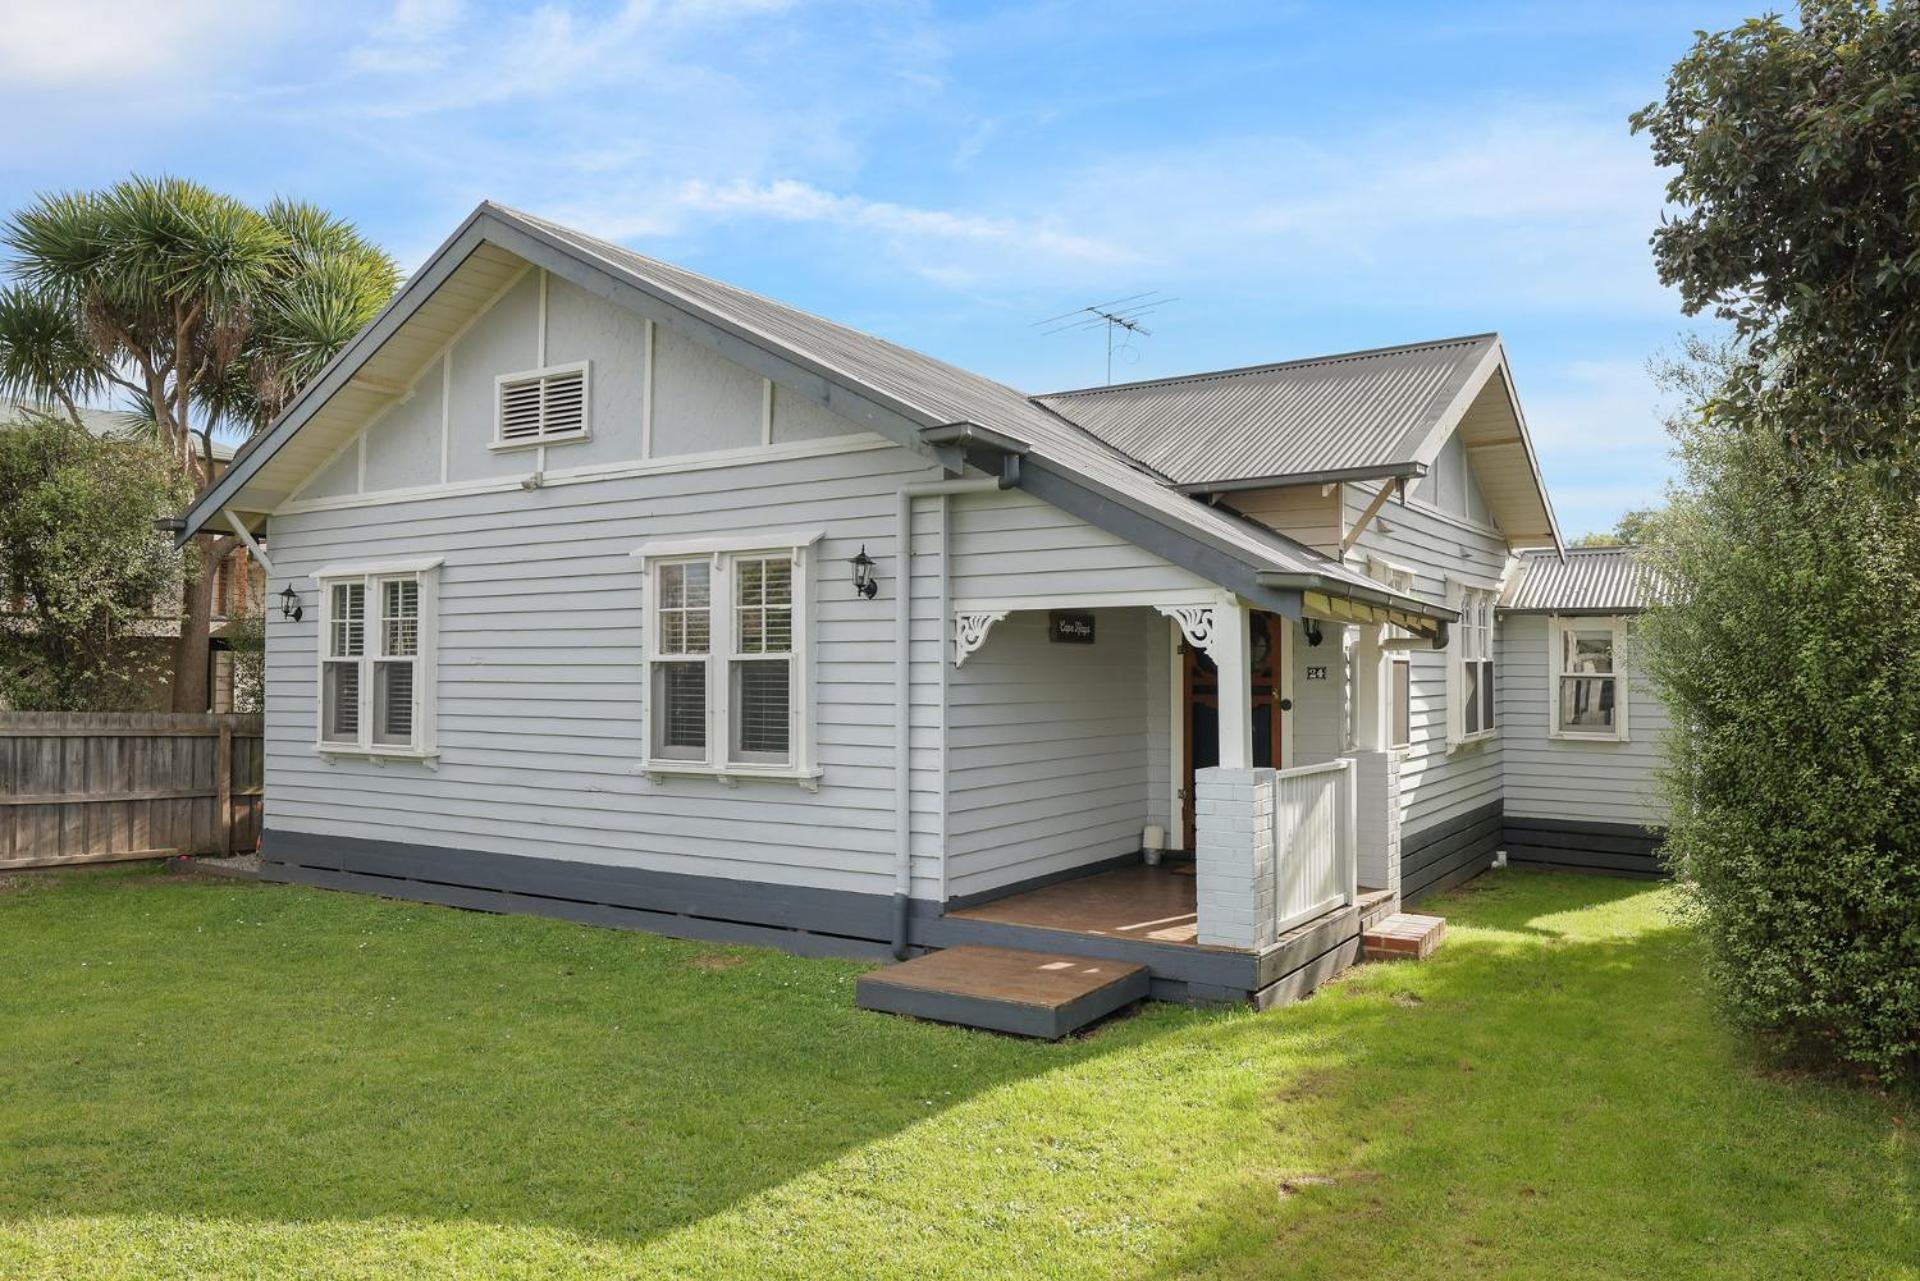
200	1078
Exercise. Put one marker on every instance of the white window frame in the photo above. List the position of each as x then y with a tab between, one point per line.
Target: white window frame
372	575
585	431
722	553
1472	642
1394	665
1558	625
1394	653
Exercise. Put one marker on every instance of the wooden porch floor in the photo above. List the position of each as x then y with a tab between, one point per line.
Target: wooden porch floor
1147	904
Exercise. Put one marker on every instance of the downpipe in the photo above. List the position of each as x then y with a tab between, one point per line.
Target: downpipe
903	685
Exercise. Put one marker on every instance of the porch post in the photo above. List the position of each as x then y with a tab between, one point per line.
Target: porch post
1229	654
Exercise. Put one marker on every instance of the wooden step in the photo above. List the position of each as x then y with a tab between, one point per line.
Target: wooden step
1404	936
1002	990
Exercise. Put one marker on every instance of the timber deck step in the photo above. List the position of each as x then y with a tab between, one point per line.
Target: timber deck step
1003	990
1404	936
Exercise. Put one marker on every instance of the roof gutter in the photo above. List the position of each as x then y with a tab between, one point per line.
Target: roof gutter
1351	591
1329	476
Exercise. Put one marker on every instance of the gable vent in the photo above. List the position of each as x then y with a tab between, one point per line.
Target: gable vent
542	405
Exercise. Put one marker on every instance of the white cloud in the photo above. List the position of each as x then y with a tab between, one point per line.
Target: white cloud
789	201
102	44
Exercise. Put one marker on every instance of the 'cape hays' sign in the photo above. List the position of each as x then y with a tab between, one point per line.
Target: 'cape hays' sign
1070	629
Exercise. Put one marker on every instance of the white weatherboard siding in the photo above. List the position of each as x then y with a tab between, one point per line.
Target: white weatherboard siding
1310	514
1435	785
1050	756
1593	782
1010	545
541	694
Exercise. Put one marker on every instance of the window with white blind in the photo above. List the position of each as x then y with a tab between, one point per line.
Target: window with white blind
728	679
541	406
377	658
1470	693
1587	683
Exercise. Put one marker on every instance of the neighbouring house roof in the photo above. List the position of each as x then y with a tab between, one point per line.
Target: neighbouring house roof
943	411
1363	415
1587	580
109	424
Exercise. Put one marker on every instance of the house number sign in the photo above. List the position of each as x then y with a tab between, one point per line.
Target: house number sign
1316	673
1070	629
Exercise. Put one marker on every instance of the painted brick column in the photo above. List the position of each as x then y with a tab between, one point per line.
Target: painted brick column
1234	856
1377	776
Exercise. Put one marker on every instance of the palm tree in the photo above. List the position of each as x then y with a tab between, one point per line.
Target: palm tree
207	313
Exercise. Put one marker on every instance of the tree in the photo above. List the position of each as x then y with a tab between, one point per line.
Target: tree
207	313
1789	556
81	560
1629	531
1794	152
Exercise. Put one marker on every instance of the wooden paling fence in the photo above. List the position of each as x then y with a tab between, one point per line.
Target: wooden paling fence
94	787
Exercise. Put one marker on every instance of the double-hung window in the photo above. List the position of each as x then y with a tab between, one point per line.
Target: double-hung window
727	650
1588	690
1470	702
377	625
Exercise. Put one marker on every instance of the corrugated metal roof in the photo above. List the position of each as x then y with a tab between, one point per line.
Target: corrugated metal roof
1366	409
108	424
1591	580
942	393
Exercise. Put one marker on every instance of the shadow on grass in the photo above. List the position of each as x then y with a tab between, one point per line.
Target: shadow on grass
208	1049
343	1077
1552	1096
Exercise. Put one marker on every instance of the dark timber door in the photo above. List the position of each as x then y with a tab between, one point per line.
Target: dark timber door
1202	684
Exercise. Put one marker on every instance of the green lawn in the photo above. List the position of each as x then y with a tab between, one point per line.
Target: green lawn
204	1078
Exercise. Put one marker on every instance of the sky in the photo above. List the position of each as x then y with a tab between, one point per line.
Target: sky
1300	179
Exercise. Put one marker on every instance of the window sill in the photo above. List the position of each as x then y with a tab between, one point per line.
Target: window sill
731	775
378	755
1473	740
1565	736
510	446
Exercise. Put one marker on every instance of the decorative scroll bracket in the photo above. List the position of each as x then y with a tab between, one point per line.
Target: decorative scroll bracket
1197	624
970	628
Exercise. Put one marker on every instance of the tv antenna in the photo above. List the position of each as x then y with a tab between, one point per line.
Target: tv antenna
1120	317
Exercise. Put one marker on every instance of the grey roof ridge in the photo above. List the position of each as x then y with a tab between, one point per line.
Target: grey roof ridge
1238	371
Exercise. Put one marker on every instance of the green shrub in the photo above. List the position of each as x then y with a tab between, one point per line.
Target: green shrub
1788	656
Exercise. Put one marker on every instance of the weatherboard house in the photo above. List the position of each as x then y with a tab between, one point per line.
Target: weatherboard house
608	591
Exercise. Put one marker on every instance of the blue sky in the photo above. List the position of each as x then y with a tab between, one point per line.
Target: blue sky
1304	178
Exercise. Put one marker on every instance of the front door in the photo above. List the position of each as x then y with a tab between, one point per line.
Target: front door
1202	684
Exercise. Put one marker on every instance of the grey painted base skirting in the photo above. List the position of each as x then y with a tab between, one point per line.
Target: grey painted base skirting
812	922
1619	849
809	922
1444	855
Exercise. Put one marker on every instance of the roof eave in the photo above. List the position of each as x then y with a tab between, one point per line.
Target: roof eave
1334	475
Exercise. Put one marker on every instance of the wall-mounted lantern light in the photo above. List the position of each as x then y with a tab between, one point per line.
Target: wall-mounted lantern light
1311	628
290	604
863	580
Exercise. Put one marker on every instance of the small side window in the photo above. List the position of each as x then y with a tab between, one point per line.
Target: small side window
1399	703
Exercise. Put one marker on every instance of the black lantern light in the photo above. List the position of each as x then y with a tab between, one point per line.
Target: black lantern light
863	581
290	604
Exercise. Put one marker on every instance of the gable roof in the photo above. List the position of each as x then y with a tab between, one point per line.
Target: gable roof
1364	415
920	402
1587	580
1365	411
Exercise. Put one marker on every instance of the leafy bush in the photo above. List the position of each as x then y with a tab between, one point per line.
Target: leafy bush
1789	655
82	571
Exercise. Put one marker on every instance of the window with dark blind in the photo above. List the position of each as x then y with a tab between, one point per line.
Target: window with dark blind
346	631
374	652
727	658
683	641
